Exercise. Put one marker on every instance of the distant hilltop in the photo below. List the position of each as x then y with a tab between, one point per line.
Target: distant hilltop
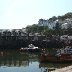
65	21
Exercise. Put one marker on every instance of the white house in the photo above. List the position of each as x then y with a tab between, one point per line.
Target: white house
43	22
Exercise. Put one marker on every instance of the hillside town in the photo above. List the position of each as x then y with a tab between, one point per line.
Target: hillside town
56	31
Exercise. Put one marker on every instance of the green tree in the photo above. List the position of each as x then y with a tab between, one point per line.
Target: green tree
57	28
34	28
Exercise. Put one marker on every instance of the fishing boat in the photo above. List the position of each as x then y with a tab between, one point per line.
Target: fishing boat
62	56
22	49
51	58
30	48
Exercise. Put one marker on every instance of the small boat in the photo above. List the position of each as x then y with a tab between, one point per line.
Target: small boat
30	48
23	49
51	58
59	57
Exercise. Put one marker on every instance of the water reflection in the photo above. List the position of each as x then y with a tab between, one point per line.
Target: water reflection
15	61
53	66
15	58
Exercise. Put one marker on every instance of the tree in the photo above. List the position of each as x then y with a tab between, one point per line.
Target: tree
34	28
57	28
28	29
54	18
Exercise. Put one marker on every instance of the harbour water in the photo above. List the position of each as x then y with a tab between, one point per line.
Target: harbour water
16	61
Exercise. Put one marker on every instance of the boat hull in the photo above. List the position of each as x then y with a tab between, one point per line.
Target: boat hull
30	50
50	58
33	50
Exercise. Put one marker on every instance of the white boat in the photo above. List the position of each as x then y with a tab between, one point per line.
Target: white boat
30	48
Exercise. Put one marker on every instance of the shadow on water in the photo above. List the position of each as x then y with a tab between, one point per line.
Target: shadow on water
16	58
13	58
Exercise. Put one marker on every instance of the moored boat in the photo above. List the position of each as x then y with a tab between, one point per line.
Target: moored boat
30	48
23	49
62	56
51	58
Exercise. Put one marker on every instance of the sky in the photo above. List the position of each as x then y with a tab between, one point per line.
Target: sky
17	14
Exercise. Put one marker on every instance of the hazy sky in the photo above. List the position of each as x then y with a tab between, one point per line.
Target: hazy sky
20	13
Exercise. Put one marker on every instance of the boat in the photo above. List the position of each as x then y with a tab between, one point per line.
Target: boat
30	48
59	57
51	58
22	49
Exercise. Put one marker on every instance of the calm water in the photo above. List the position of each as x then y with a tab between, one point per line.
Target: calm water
15	61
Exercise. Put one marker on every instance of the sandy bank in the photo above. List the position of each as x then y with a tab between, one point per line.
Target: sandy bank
65	69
